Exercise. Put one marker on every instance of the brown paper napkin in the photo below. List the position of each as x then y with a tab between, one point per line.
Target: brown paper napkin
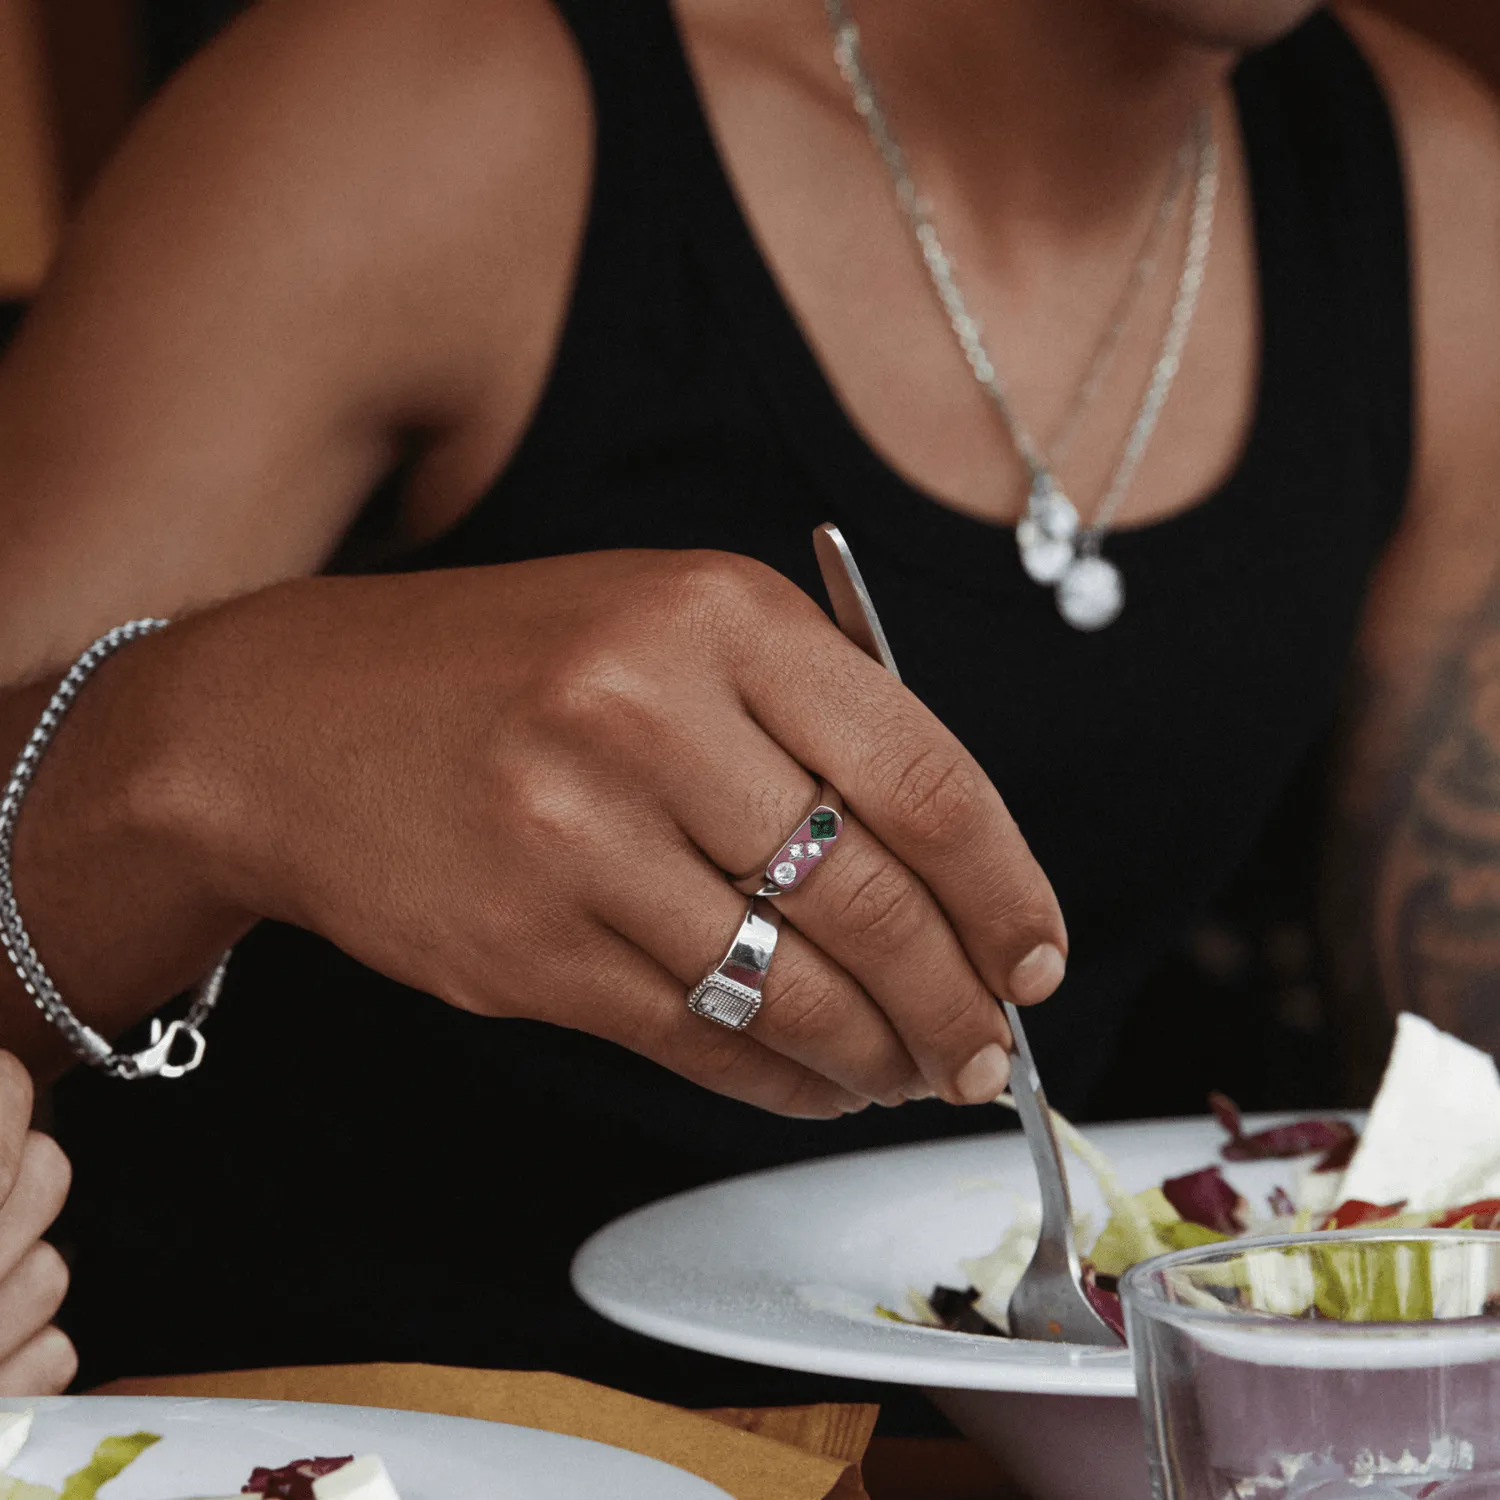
792	1453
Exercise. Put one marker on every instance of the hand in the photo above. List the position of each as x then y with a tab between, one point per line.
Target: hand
36	1359
518	788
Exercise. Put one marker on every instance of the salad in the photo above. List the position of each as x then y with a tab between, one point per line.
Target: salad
346	1478
1429	1157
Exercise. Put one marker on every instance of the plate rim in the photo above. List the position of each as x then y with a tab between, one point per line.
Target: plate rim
972	1362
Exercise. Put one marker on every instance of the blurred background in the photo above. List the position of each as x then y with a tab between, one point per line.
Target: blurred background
72	73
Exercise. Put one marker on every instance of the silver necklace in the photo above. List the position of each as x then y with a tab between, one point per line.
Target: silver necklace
1056	549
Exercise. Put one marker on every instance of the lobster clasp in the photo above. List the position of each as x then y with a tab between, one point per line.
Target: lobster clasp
156	1060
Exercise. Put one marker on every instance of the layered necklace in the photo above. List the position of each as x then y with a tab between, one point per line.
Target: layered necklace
1056	548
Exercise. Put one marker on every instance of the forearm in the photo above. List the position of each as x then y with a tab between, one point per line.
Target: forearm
107	878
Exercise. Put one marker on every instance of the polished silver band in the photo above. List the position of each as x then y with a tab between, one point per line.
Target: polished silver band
802	852
730	994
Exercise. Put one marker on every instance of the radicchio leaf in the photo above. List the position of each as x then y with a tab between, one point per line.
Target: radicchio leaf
1355	1211
1281	1203
1206	1198
295	1480
1105	1302
958	1313
1335	1138
1485	1214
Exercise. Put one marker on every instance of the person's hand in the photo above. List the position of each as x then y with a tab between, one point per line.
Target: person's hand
518	788
36	1359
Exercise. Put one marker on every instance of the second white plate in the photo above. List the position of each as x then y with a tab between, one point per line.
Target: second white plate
209	1447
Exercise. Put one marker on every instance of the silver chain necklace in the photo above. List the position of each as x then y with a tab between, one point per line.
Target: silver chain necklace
1056	549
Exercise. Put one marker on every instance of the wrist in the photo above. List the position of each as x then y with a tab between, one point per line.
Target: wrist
107	891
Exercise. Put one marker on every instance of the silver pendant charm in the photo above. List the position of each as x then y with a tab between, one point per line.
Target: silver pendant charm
1091	593
1046	532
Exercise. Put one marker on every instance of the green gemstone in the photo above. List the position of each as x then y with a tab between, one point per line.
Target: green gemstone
822	825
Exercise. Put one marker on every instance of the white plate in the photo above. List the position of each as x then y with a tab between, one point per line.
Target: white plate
209	1447
786	1267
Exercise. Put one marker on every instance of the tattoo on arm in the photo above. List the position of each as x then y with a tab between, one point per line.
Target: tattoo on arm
1421	876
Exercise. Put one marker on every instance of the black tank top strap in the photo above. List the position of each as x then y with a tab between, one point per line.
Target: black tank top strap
1330	215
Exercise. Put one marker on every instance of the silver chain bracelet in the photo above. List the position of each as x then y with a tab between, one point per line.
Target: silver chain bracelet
156	1060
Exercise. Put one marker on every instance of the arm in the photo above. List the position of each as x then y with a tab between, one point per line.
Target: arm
257	305
1414	900
368	211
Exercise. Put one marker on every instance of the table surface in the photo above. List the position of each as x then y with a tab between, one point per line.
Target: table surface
933	1469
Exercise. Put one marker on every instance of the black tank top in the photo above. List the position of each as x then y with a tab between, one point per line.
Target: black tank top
360	1172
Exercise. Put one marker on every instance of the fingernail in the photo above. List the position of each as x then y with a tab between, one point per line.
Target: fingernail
1037	975
984	1076
917	1091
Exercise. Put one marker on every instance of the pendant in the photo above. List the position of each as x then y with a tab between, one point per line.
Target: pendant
1045	534
1091	593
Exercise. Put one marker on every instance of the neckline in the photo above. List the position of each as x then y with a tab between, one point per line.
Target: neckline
842	460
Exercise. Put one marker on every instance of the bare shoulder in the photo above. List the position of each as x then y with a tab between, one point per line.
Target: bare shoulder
346	221
372	138
1441	565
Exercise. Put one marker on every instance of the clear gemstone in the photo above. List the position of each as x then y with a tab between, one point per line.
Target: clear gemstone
794	851
784	873
814	850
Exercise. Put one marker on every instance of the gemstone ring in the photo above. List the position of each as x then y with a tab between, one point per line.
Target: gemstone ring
801	853
730	994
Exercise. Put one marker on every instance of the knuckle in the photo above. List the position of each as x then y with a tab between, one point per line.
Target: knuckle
937	794
16	1100
881	911
46	1167
953	1018
57	1362
715	594
809	1004
542	805
720	1058
599	685
1026	909
809	1098
45	1275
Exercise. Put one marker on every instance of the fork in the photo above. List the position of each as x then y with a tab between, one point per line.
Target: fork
1049	1302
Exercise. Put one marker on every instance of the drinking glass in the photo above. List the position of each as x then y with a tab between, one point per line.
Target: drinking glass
1357	1365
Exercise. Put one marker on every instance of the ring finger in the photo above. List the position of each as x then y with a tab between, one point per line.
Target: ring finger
813	1012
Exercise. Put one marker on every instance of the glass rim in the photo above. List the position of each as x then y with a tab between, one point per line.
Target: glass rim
1136	1290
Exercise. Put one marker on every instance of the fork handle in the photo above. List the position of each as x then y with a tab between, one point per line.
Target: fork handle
1041	1139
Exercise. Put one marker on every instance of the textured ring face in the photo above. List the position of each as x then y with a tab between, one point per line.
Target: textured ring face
803	852
727	1001
729	995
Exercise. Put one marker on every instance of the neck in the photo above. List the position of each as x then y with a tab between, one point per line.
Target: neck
1068	111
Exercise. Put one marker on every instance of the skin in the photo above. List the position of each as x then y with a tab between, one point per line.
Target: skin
352	226
35	1358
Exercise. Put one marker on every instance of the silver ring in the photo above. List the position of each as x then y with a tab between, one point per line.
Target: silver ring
802	852
730	994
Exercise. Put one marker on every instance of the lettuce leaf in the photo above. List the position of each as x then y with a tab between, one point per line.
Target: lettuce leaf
111	1457
1121	1243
